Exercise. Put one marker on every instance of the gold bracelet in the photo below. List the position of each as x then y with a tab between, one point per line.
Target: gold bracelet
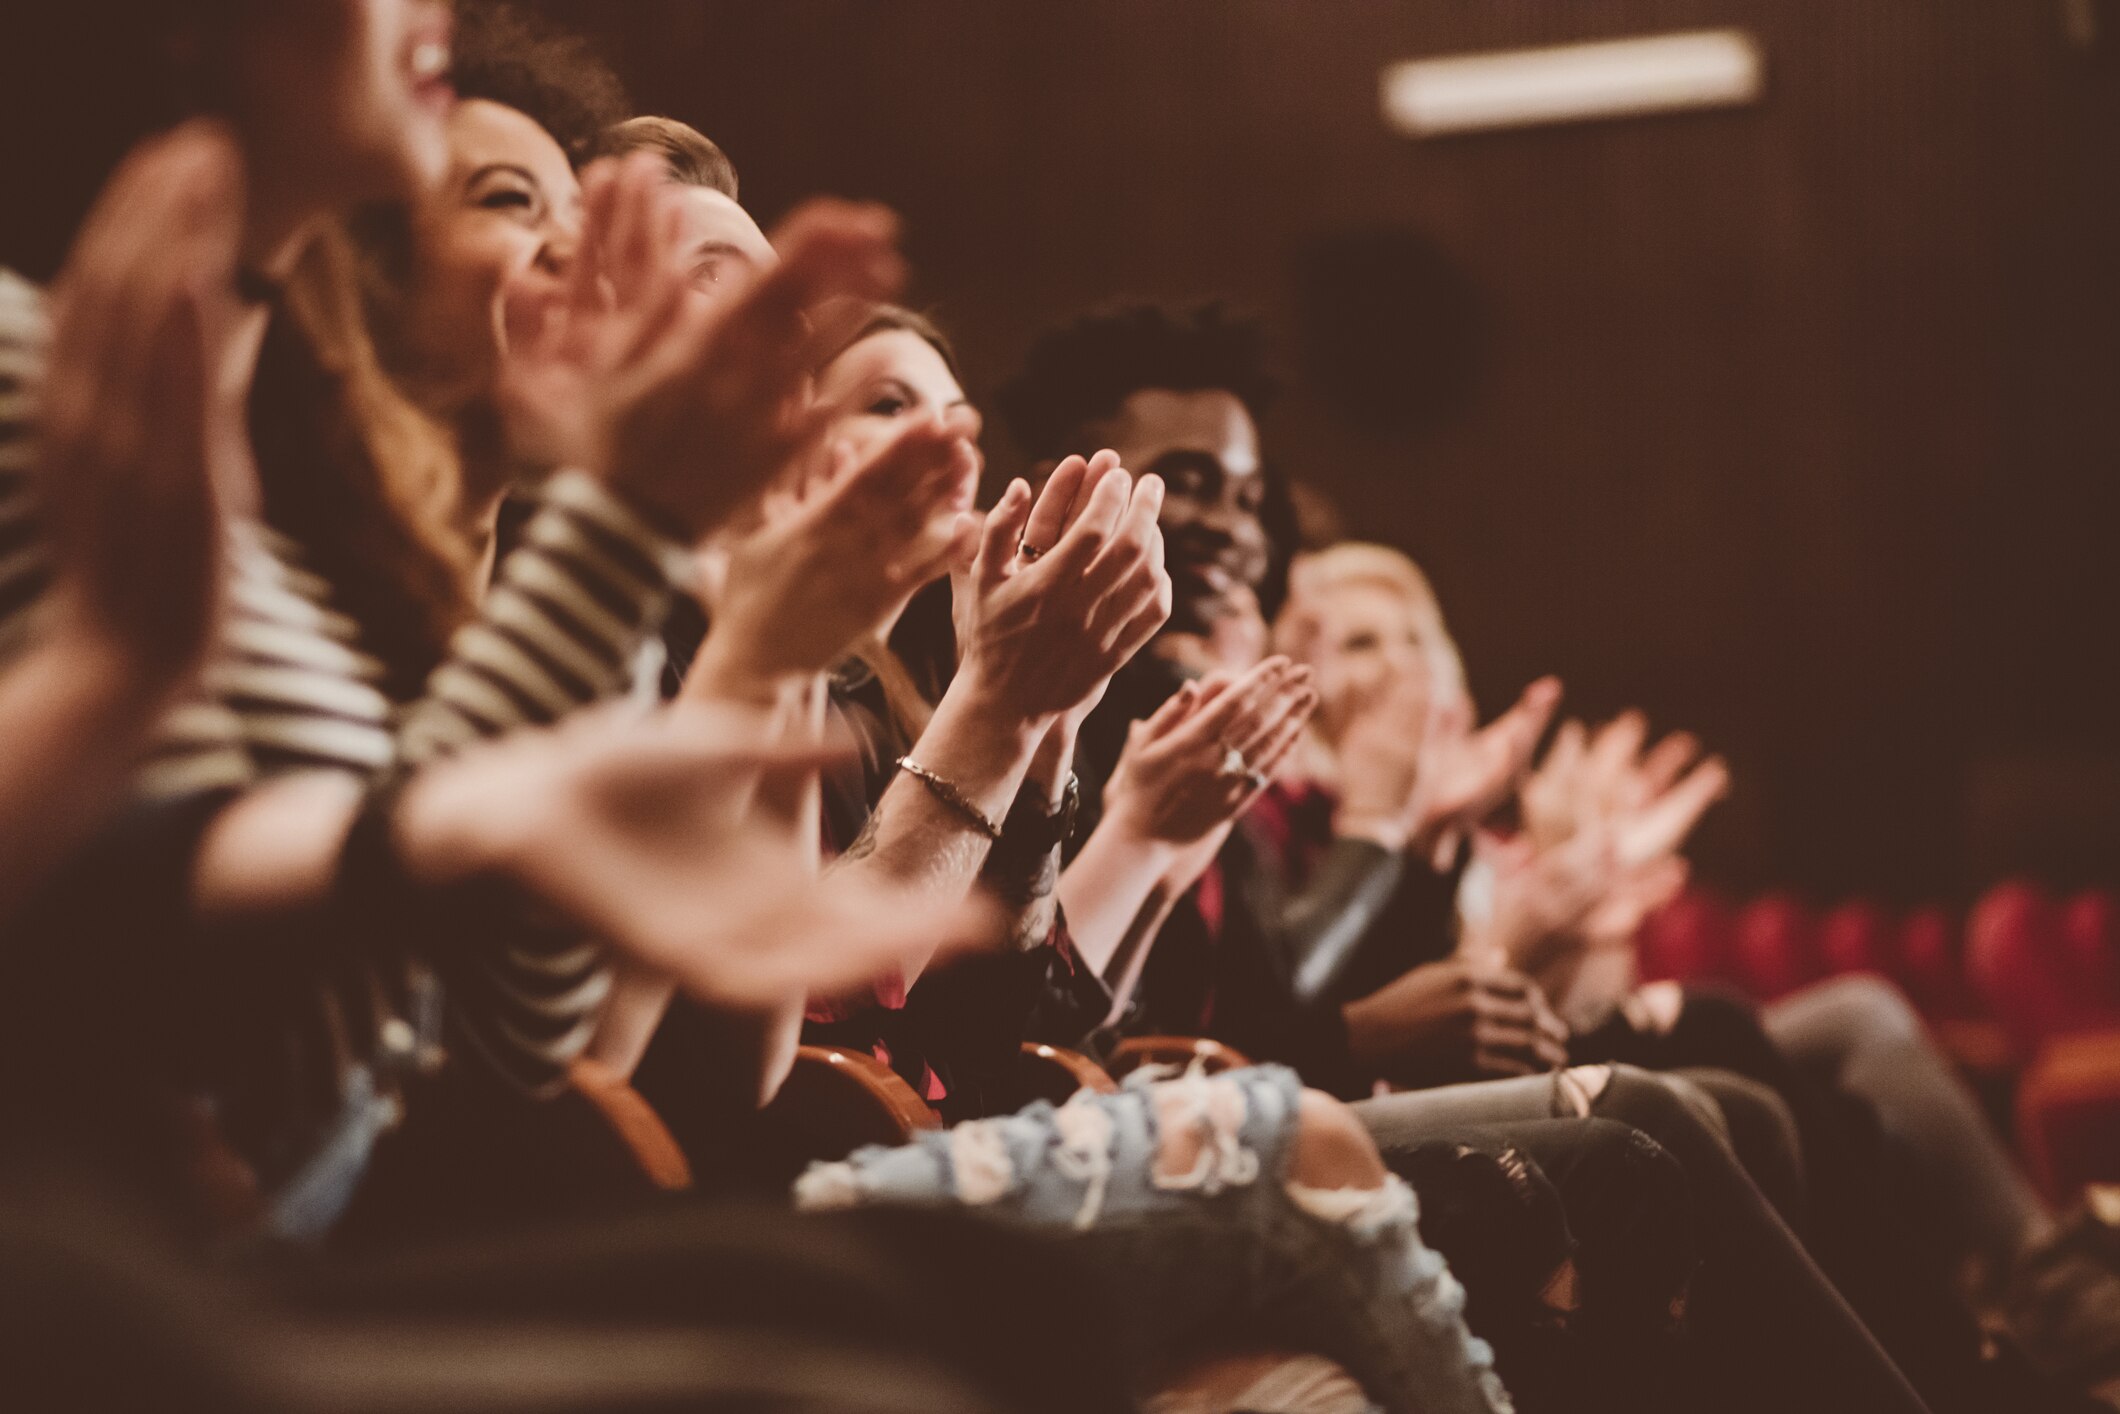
947	792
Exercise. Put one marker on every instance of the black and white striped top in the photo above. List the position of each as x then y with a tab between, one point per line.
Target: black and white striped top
292	689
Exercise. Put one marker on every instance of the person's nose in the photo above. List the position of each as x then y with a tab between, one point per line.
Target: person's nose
560	247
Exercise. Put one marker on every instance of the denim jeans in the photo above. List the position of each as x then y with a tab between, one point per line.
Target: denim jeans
1224	1250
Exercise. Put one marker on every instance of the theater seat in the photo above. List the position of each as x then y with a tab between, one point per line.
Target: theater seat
1775	946
1182	1052
836	1100
1055	1073
1854	937
633	1123
2068	1114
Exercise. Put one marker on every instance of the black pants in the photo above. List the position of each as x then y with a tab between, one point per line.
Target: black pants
1757	1297
1861	1224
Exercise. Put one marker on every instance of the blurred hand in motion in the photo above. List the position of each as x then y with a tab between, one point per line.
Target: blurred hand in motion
637	832
837	554
1540	899
1606	796
1472	773
686	405
1463	1018
1177	786
1065	587
142	449
1385	760
1648	798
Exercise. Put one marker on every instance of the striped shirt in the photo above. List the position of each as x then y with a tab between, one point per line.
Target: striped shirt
291	688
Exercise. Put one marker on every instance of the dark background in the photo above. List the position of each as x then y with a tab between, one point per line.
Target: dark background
1795	425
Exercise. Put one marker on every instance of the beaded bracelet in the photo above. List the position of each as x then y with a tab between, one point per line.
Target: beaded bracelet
947	792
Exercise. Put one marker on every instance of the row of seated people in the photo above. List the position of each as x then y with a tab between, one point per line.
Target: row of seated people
502	651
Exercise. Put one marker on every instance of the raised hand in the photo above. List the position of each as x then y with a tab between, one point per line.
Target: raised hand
1473	772
567	335
142	447
1043	626
1383	761
1454	1020
839	553
1542	897
1551	797
1200	761
685	405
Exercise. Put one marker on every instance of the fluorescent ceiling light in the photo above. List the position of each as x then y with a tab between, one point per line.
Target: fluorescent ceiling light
1572	83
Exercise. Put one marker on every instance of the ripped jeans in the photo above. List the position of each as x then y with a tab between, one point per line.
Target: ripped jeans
1219	1248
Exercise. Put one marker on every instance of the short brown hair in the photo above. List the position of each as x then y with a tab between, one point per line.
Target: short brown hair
692	157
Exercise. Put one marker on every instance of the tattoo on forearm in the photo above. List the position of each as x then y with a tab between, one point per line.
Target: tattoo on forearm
864	843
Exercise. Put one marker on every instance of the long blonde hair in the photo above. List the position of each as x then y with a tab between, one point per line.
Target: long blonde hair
1353	562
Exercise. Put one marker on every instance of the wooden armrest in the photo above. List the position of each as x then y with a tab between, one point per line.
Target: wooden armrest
836	1100
634	1122
1210	1055
1055	1073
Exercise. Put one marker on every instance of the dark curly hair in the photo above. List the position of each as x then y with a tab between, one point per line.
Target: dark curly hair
509	54
1079	373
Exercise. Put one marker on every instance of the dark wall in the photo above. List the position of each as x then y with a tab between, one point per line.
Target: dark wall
1794	425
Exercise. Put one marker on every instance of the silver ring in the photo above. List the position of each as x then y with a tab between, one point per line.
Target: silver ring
1026	550
1233	765
1259	779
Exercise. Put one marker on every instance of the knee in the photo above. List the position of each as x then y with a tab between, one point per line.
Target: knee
1667	1108
1752	1108
1332	1147
1869	1011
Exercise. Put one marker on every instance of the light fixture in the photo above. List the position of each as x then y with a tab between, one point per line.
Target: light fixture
1573	83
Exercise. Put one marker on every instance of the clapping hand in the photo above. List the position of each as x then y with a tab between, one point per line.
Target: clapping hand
838	553
1193	767
142	445
687	406
1044	623
1464	1018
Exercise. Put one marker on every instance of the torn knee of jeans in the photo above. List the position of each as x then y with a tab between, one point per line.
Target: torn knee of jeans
1200	1135
1578	1088
980	1167
825	1187
1084	1152
1367	1213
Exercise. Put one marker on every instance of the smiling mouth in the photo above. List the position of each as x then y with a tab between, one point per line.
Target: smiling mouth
1209	576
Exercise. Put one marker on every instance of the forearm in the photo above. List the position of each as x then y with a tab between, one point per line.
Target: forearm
73	715
1106	888
276	849
914	838
631	1015
1028	886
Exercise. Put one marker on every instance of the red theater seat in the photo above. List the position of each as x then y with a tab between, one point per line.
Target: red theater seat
2068	1114
1775	946
1855	937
